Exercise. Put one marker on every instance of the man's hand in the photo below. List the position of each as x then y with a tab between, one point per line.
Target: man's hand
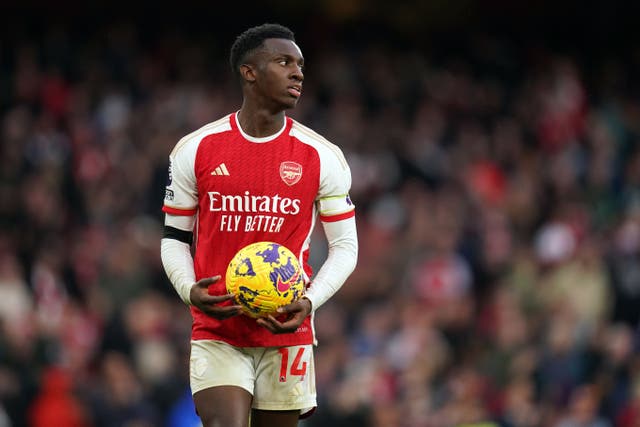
209	304
298	311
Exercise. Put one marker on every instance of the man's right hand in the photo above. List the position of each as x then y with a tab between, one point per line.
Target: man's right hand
209	304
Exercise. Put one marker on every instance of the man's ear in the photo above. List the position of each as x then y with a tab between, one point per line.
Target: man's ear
248	72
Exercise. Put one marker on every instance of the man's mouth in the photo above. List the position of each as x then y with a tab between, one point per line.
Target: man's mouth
295	91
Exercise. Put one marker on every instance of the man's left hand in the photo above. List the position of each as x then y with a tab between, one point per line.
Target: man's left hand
297	311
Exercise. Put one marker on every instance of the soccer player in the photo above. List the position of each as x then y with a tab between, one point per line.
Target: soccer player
256	175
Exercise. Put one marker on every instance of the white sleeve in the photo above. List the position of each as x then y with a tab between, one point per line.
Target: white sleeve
333	201
342	239
177	259
337	214
181	193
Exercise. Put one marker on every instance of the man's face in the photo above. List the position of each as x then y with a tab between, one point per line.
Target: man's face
279	75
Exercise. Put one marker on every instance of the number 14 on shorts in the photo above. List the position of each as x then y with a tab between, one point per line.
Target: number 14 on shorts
297	367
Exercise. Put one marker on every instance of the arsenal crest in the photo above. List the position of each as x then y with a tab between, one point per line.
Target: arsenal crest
290	172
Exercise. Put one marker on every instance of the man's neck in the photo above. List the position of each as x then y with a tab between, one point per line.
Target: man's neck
260	123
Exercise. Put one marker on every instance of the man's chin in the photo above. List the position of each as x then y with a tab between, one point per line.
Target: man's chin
291	104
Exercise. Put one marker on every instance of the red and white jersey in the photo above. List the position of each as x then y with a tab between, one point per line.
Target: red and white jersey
245	189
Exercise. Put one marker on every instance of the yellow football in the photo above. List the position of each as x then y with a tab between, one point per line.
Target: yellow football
264	276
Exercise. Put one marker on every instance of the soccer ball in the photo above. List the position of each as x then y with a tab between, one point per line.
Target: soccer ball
264	276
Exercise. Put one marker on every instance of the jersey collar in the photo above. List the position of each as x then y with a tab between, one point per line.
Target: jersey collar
261	139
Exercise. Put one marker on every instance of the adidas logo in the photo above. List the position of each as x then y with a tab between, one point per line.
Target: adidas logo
220	170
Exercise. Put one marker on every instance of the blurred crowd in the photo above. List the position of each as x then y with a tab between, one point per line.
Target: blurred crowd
498	204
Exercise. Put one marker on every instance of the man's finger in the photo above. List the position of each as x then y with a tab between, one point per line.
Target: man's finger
266	323
214	299
275	326
203	283
286	308
294	307
225	312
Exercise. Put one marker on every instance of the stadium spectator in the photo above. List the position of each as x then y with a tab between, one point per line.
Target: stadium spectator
506	172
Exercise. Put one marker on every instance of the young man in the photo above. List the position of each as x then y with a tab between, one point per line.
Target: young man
255	175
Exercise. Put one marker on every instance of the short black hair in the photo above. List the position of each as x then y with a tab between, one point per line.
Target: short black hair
253	38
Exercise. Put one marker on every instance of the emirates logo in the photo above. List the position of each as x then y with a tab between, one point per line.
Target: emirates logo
290	172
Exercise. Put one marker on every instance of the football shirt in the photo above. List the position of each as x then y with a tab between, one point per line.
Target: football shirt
245	189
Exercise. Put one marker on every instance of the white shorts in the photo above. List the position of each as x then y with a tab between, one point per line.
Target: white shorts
279	378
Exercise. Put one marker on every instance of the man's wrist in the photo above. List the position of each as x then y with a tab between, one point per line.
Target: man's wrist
185	292
305	297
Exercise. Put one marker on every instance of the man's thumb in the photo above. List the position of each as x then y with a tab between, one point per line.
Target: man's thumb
203	283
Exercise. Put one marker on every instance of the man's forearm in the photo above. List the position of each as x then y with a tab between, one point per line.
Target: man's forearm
342	239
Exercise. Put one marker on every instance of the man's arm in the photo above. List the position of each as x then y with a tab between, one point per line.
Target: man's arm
341	260
340	263
175	251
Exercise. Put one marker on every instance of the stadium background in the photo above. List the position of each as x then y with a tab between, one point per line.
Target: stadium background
495	154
